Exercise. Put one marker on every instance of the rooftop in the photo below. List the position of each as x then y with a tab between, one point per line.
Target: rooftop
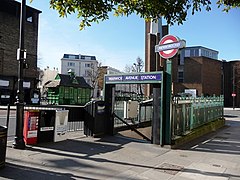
201	47
78	57
11	6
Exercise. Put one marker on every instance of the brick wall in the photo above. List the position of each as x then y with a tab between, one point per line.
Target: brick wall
211	76
9	43
200	73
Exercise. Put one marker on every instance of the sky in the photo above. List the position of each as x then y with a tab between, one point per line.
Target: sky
118	42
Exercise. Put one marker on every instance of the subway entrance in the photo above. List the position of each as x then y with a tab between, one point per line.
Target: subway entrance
130	110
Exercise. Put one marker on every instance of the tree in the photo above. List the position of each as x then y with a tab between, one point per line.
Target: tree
94	74
137	67
90	11
127	69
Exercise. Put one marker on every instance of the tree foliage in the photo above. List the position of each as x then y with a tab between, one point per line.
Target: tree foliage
228	4
173	11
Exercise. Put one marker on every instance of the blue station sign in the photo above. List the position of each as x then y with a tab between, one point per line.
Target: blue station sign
140	78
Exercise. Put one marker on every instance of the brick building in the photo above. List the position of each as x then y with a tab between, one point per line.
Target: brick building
9	43
197	68
231	81
200	73
154	31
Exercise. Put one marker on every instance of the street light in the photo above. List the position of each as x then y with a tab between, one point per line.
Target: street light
21	57
223	78
233	87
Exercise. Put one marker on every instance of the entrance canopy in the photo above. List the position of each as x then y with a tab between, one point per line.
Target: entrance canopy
154	78
134	78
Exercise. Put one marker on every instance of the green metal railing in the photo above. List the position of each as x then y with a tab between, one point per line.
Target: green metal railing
187	113
190	113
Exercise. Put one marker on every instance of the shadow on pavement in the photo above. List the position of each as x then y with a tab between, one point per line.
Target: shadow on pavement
215	175
230	116
78	157
225	140
19	172
88	146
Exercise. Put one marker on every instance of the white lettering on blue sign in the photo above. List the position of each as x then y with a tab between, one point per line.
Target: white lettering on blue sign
147	77
131	77
134	78
118	78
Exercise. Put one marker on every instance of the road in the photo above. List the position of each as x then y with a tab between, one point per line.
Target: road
228	112
232	114
12	121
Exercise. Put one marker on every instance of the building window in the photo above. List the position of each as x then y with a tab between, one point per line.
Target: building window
181	57
180	60
69	56
30	19
72	64
72	57
215	56
88	65
196	52
29	16
207	53
187	53
180	76
203	52
192	53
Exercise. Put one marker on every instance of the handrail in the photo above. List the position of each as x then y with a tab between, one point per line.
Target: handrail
132	128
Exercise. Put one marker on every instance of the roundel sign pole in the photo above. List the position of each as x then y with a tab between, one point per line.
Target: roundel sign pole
167	48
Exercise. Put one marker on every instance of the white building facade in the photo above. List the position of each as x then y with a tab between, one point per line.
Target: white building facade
82	65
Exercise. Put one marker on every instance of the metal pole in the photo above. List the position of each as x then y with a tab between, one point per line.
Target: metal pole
168	105
18	141
223	86
233	96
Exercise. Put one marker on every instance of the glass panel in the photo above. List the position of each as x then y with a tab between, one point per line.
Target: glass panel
187	53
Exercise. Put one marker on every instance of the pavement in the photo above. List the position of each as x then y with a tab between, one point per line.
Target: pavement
215	156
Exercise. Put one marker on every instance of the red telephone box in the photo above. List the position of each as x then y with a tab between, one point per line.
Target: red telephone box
30	130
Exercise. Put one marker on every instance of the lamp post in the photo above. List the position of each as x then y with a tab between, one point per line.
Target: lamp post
223	84
233	87
223	78
21	57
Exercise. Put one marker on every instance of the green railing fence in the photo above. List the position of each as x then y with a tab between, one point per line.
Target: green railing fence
190	113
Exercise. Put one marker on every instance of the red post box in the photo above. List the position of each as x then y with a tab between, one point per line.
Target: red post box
30	130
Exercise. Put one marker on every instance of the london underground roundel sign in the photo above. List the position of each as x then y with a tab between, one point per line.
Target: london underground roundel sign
169	46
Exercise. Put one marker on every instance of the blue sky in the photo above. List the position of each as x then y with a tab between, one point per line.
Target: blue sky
118	41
